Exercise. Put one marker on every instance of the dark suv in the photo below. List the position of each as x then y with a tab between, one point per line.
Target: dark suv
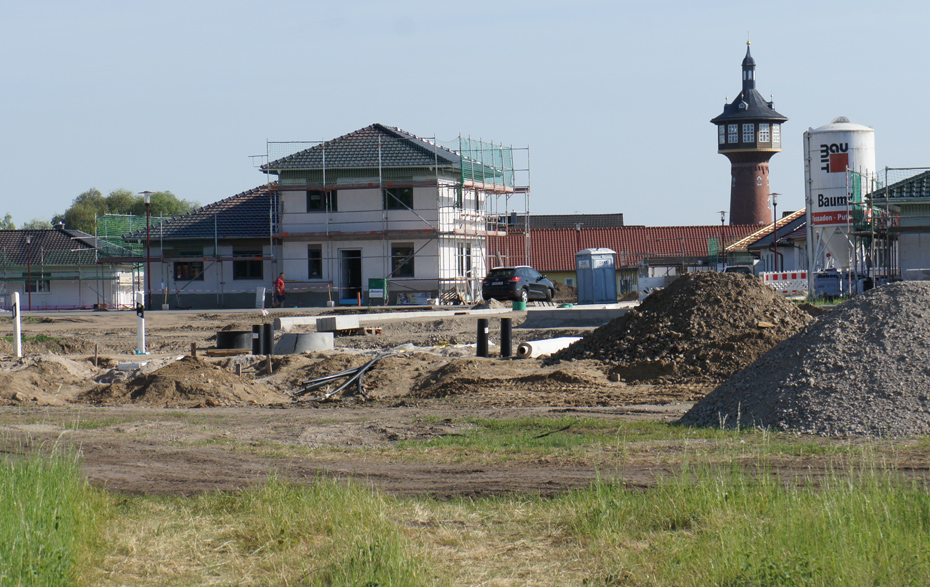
516	283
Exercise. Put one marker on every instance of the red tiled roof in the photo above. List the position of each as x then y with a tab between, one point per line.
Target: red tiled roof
554	249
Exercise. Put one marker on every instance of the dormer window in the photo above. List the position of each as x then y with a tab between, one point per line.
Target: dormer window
743	105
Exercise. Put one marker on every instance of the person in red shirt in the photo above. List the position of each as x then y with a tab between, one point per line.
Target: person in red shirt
279	292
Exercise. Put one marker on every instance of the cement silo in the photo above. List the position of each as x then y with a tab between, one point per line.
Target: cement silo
829	152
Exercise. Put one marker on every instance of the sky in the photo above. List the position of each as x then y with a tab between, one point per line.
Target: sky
612	98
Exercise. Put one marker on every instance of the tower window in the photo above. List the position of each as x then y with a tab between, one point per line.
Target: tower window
732	133
721	134
764	132
749	133
776	134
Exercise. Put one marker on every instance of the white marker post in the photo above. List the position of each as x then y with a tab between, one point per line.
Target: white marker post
140	330
17	326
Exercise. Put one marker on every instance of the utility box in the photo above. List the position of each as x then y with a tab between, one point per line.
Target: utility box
597	276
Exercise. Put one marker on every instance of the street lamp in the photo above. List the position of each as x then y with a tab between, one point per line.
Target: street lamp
148	250
775	225
723	253
29	269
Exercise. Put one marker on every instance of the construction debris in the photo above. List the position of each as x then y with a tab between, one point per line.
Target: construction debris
350	375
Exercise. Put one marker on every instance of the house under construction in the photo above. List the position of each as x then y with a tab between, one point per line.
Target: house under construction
383	216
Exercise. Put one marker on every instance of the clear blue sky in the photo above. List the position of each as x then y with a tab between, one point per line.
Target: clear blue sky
613	98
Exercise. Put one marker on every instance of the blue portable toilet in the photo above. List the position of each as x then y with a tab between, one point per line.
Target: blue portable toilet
597	276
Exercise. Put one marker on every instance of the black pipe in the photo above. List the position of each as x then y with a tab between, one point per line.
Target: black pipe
267	338
506	337
482	350
256	339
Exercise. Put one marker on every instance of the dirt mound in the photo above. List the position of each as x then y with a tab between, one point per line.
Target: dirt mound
188	382
44	380
491	304
40	345
703	327
565	294
859	370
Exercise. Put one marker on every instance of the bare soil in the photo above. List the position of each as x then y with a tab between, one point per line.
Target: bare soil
169	423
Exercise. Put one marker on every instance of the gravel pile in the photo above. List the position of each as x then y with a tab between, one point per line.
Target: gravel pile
703	327
861	370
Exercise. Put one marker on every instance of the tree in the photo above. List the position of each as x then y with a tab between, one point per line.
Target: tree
7	222
92	204
37	224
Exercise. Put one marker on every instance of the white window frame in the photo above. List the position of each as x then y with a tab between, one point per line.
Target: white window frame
776	134
749	132
721	134
733	133
764	135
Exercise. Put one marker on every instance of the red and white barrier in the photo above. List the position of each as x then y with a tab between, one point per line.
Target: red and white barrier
787	283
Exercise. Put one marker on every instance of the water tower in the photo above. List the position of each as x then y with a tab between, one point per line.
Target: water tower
748	134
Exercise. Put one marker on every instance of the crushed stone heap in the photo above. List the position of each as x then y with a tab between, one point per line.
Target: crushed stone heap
861	370
703	327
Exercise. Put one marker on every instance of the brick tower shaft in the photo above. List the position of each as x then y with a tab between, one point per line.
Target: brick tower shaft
749	193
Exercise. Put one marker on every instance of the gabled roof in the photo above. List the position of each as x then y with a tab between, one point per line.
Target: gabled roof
243	216
554	249
374	146
917	186
569	221
56	246
788	222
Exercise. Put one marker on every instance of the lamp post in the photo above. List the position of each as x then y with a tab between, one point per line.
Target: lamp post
775	225
723	251
29	269
148	250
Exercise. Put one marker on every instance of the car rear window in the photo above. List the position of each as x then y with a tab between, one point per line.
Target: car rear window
500	273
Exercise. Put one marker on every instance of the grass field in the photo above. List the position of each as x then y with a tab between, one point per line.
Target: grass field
722	517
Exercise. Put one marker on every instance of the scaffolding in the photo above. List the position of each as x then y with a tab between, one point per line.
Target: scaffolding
883	209
479	192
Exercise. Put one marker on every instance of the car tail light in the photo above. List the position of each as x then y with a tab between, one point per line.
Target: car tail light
514	279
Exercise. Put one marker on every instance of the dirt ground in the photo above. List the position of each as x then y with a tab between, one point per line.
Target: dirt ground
178	424
169	423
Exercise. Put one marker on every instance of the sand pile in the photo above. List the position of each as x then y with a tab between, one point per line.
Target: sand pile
188	382
703	327
861	370
44	380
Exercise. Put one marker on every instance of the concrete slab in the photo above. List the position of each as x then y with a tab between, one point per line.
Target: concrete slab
586	315
288	323
333	323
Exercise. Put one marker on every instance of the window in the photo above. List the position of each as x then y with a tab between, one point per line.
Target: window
569	282
402	260
398	198
315	262
732	133
465	260
247	264
38	286
721	134
188	271
749	133
321	201
776	134
764	132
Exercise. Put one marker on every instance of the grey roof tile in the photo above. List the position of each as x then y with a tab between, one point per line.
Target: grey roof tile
243	216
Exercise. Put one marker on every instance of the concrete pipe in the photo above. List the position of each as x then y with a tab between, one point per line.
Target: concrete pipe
537	348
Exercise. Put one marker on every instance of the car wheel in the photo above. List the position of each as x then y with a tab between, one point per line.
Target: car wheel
524	295
548	294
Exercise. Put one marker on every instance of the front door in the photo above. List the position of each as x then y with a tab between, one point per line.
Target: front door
351	284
